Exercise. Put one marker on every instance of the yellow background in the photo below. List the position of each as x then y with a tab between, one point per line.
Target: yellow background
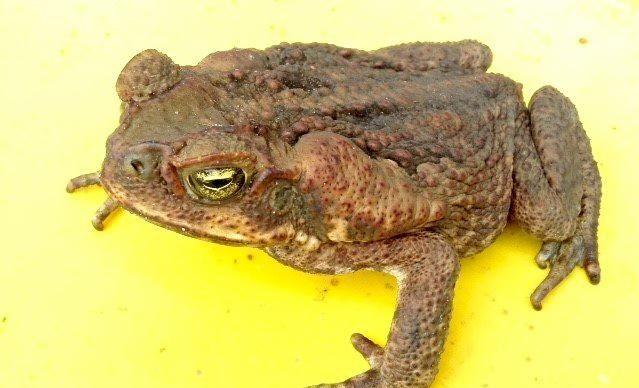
138	306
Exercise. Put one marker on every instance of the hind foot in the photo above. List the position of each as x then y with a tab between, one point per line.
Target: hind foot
563	257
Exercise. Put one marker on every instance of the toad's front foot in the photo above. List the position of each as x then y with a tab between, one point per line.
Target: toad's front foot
373	353
563	257
107	208
418	331
369	379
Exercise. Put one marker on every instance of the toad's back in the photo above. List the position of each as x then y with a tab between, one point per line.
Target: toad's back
450	129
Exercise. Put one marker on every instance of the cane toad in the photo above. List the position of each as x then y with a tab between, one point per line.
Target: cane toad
332	160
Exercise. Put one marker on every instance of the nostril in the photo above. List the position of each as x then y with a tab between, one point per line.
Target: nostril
144	161
138	166
141	165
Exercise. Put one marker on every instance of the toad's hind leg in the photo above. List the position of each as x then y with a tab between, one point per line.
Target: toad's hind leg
557	189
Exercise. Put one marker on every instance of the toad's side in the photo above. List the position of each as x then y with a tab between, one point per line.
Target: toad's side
332	160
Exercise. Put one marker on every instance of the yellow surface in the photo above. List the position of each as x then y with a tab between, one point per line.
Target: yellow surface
138	306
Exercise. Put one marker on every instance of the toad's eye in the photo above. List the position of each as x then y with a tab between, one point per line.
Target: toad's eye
216	184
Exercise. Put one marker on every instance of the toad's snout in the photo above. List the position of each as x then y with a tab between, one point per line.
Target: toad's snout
149	161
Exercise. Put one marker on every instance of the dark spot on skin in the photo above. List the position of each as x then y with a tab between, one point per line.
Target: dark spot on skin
334	282
583	40
162	350
249	257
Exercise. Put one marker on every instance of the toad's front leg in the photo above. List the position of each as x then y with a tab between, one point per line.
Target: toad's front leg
426	268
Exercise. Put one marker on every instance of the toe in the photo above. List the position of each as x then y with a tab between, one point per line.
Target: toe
591	260
593	271
373	353
547	253
570	254
107	208
369	379
552	280
370	350
83	180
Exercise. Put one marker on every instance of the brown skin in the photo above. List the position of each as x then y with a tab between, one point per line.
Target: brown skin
402	160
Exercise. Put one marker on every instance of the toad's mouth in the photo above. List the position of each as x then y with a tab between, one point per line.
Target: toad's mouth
118	198
215	236
142	198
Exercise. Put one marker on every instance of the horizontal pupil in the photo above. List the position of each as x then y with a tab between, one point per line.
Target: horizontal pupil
217	184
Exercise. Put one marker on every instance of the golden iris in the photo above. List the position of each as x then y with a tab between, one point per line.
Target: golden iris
216	184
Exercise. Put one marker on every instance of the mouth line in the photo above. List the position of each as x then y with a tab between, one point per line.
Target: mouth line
174	226
187	231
